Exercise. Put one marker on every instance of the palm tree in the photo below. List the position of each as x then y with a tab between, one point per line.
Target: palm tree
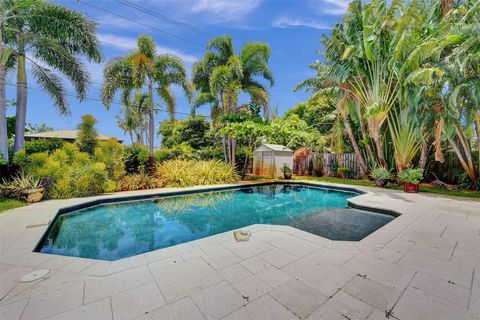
134	119
144	68
5	54
45	34
221	75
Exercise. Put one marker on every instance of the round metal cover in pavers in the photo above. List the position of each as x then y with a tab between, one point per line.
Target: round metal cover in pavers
34	275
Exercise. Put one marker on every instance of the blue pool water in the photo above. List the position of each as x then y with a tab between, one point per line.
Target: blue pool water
114	231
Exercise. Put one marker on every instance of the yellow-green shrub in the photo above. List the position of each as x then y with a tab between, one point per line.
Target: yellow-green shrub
111	152
139	181
183	173
81	180
67	172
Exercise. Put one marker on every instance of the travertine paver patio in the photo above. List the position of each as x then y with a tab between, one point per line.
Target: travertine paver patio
423	265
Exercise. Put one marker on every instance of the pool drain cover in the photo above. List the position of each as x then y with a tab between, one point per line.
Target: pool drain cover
34	275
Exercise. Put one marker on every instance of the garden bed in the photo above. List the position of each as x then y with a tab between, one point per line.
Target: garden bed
423	187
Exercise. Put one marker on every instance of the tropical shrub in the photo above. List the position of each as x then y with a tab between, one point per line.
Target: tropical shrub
380	172
182	151
111	153
21	159
66	172
210	154
81	180
183	173
87	134
192	131
2	161
43	145
176	173
139	181
213	172
136	158
411	175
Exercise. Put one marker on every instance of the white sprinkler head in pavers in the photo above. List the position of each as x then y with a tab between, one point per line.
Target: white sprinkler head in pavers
34	275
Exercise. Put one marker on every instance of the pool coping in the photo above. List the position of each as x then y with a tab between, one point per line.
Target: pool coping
213	188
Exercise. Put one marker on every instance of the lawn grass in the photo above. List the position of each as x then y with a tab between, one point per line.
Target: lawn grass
8	204
367	183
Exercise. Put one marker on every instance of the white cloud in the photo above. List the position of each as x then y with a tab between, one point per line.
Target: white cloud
333	7
226	9
206	11
285	22
126	43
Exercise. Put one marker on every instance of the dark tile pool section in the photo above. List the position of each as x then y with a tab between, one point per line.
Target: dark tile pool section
112	229
345	224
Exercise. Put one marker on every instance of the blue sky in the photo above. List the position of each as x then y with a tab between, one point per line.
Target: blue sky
293	29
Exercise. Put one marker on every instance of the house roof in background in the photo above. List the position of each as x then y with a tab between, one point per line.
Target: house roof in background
276	147
64	134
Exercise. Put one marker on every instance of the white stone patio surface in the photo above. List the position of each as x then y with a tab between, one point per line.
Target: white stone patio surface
423	265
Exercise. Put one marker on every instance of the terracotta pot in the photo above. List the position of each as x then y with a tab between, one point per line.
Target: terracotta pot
287	176
33	195
381	182
411	187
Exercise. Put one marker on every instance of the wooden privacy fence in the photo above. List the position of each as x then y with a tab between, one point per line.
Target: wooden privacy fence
328	164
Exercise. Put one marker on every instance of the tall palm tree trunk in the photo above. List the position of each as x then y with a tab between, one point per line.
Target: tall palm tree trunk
139	135
470	170
368	147
356	148
3	107
151	129
424	150
466	147
477	125
377	138
21	112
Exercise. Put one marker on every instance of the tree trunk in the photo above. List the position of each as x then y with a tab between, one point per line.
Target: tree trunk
21	112
368	147
130	133
151	127
225	153
358	152
466	148
139	135
469	170
422	162
379	146
477	125
376	135
3	108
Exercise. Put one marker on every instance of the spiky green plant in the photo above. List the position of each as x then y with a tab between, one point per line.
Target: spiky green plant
405	140
138	181
184	173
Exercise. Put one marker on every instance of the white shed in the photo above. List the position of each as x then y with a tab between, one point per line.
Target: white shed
268	159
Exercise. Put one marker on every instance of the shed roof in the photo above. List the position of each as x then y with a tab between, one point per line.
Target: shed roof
274	147
64	134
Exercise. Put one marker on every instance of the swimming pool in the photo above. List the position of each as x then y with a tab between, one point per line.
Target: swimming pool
117	230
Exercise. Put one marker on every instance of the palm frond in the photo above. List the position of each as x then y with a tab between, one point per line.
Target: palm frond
52	84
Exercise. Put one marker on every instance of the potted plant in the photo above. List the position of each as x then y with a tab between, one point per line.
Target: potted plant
411	178
28	188
287	171
381	176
